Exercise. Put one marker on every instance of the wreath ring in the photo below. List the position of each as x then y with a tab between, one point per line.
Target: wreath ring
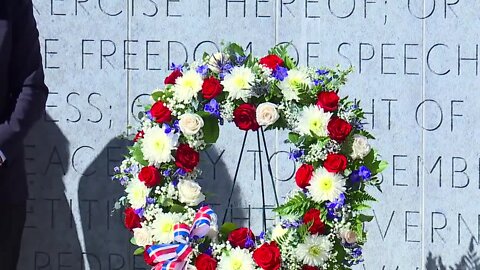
320	224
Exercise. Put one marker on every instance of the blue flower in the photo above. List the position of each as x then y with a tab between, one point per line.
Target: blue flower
317	82
333	207
140	212
322	72
213	108
296	154
249	243
176	67
202	70
168	128
150	201
180	172
167	172
280	73
149	116
365	172
241	59
116	169
355	177
286	224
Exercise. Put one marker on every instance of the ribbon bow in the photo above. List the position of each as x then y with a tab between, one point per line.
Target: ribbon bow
174	256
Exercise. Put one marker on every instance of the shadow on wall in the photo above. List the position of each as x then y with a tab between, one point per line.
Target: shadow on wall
469	261
106	239
217	182
107	244
50	239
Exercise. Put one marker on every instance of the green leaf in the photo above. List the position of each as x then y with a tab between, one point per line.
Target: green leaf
296	205
177	208
132	241
293	137
138	156
139	251
382	166
365	218
227	228
211	130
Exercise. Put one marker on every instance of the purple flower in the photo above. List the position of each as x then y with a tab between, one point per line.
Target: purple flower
176	67
150	200
318	82
241	60
322	72
149	116
286	224
140	212
167	172
168	128
116	169
202	70
280	73
180	172
364	172
249	243
213	108
334	207
296	154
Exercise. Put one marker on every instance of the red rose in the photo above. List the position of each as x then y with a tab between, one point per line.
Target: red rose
335	163
161	113
242	237
211	88
150	176
303	175
148	260
139	136
338	129
186	158
313	217
205	262
245	117
173	77
271	61
132	220
308	267
268	256
328	101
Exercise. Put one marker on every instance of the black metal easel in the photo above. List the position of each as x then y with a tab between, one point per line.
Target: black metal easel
270	171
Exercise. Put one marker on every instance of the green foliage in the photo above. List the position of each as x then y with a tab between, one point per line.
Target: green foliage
226	229
139	251
211	130
282	52
137	154
298	205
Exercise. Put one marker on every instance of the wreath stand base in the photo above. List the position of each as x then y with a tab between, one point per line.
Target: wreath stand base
260	139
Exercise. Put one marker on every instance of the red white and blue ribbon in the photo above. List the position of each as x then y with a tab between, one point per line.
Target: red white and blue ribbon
201	226
174	256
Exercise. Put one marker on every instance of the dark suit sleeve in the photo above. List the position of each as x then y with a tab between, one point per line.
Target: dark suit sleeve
26	80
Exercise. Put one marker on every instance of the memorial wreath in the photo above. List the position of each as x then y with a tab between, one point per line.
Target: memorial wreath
319	226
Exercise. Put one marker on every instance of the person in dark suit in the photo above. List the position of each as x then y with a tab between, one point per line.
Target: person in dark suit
23	95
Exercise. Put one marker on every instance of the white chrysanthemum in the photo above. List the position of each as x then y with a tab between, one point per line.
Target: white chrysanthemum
315	251
326	186
162	227
313	120
278	232
238	83
237	259
157	145
137	193
187	86
290	84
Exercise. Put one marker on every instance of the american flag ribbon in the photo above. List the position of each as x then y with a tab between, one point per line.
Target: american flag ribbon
201	226
174	256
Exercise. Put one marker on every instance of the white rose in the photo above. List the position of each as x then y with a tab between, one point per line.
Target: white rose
142	237
216	61
360	147
190	123
190	193
348	236
267	114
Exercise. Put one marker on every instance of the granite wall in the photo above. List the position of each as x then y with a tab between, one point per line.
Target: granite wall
416	72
